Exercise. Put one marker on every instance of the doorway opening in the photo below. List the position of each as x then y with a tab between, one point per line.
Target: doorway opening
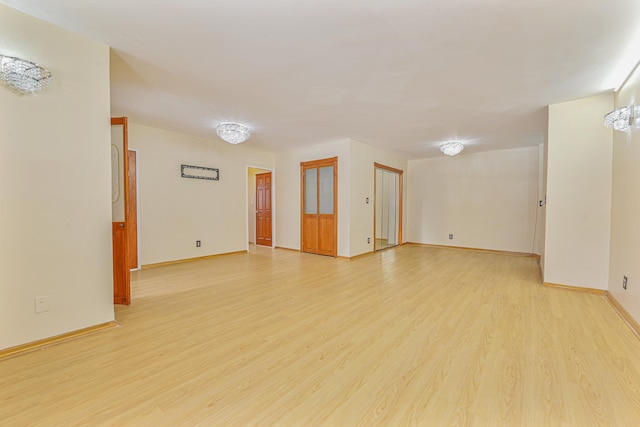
260	206
388	207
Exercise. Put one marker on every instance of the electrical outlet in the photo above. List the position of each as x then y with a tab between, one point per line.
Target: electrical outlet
624	283
198	243
450	236
41	304
368	239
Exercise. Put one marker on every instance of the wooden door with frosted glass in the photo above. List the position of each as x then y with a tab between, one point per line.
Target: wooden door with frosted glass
319	207
120	220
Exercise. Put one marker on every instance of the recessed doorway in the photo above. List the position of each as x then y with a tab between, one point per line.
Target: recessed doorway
260	206
388	207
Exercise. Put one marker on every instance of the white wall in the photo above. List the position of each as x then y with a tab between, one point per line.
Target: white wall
542	197
486	200
362	186
355	185
55	193
176	211
578	213
288	192
625	229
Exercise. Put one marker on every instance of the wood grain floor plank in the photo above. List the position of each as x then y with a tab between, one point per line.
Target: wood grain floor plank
409	336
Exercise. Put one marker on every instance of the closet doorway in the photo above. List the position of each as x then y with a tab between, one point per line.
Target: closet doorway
388	207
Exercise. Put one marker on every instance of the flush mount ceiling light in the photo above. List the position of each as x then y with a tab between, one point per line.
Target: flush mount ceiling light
23	76
233	133
623	118
452	148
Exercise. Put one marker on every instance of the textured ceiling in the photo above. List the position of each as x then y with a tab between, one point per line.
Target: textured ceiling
403	75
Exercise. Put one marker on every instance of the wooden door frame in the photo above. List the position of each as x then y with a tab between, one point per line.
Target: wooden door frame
331	161
400	173
273	204
124	122
137	203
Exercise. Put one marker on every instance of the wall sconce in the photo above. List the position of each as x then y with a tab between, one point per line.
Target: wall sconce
623	118
23	76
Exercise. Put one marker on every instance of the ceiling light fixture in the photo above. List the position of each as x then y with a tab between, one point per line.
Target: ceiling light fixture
452	148
233	133
23	76
623	118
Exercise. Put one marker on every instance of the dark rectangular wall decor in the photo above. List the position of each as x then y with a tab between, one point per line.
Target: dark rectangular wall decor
199	172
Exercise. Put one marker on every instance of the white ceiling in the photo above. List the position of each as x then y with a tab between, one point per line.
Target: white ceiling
403	75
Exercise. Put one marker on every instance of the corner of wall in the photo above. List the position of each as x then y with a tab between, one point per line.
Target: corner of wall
578	188
59	242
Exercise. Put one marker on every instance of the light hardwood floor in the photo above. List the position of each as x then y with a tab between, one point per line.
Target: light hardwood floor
408	336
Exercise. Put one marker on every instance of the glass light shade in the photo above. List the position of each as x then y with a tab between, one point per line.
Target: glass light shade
623	118
233	133
23	76
452	148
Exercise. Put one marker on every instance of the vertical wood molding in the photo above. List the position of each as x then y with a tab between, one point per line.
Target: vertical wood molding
121	273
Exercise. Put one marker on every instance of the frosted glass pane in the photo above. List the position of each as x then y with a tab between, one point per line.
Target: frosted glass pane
326	190
117	173
310	191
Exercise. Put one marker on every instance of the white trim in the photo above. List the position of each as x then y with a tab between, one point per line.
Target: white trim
137	206
273	204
